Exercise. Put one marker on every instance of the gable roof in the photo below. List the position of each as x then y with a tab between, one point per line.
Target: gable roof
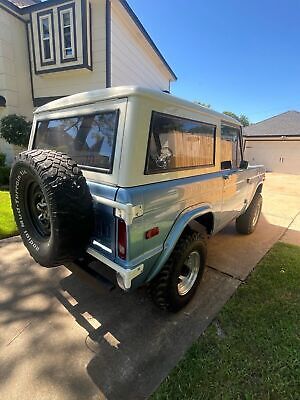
285	124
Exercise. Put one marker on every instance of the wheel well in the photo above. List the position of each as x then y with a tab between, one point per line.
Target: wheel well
207	220
259	188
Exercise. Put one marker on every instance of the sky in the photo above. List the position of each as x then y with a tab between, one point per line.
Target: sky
240	56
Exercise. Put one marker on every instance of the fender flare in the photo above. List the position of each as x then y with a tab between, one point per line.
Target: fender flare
258	189
178	227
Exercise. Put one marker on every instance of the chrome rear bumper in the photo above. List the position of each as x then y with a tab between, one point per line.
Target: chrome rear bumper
124	276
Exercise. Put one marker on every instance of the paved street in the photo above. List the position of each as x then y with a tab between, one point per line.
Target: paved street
61	339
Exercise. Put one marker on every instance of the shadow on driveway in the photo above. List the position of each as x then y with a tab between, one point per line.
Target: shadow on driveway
121	346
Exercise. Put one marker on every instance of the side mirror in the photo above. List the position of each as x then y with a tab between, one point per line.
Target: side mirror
244	164
226	164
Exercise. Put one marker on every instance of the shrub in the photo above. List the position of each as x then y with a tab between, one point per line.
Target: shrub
4	176
15	129
2	160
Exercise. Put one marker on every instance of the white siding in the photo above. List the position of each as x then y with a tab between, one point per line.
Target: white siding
133	60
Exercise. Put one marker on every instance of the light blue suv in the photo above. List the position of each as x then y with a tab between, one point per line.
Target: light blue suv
136	179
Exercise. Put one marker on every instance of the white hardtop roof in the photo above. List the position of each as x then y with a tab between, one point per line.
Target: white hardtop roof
113	93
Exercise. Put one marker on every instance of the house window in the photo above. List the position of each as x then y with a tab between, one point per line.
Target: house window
46	38
67	33
179	143
68	49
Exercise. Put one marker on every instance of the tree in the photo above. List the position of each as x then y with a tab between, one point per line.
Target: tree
231	114
15	129
243	119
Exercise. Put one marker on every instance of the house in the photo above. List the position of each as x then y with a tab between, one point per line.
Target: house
50	49
275	142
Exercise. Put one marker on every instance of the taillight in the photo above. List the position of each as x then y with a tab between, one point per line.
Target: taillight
122	239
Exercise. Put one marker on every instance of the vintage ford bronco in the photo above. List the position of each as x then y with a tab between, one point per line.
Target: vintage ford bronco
136	179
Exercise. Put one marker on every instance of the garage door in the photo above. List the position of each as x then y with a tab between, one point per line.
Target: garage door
283	157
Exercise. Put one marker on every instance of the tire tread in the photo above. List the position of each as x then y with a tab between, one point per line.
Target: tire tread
62	180
244	222
159	288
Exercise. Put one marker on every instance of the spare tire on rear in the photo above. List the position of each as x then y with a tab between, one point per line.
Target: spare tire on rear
52	206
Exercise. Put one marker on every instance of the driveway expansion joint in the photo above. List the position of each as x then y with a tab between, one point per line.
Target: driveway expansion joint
18	334
226	274
290	224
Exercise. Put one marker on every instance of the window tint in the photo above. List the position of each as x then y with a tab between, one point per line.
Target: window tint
230	147
89	139
177	143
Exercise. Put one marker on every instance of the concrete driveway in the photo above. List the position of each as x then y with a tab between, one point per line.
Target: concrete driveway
61	339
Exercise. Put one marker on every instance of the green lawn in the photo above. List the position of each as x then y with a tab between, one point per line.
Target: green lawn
7	222
257	354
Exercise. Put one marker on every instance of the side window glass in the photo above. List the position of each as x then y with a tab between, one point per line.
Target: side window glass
230	147
179	143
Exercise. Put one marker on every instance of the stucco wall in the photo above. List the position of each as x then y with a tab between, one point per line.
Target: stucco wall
133	60
14	66
14	74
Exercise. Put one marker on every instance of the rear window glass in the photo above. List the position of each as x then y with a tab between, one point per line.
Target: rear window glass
179	143
89	139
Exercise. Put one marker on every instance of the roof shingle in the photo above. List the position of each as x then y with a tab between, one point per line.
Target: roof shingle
23	3
285	124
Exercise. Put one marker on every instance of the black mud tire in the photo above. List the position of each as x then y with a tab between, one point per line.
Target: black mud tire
247	222
52	206
164	287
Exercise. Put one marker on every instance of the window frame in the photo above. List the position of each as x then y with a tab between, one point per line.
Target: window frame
107	171
68	8
48	14
239	136
158	113
241	144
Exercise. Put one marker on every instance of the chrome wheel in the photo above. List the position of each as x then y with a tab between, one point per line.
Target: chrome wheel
189	273
256	215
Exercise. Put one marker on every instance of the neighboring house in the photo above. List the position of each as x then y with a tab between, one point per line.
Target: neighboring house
275	142
55	48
